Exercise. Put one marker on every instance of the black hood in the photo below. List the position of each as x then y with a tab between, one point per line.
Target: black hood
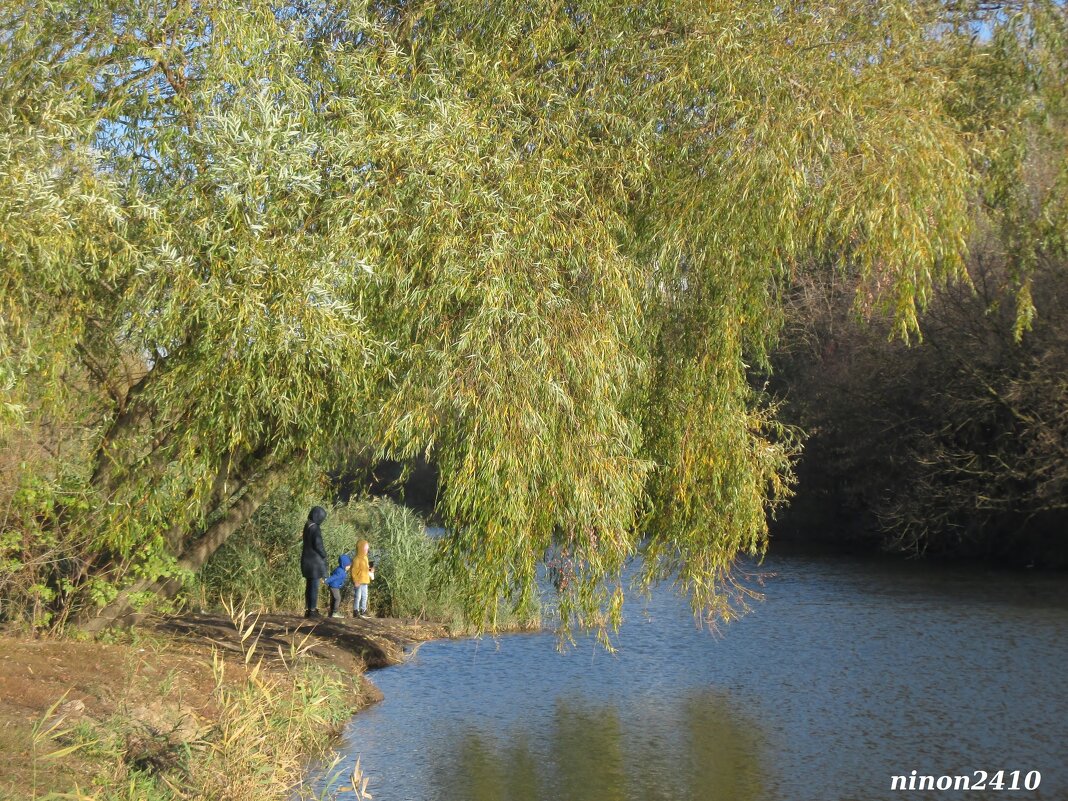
317	514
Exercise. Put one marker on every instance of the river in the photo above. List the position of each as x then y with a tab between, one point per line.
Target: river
848	673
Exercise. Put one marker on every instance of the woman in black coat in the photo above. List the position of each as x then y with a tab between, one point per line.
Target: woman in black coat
313	560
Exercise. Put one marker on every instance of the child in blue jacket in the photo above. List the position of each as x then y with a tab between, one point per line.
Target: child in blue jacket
335	581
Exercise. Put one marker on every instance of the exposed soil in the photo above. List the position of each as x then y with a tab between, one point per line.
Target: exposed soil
356	644
162	673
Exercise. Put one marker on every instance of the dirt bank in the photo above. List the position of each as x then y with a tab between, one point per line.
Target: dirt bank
356	644
160	676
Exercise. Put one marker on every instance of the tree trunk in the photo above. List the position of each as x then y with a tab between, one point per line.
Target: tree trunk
195	554
130	415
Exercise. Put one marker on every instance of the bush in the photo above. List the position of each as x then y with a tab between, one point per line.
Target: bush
404	557
260	564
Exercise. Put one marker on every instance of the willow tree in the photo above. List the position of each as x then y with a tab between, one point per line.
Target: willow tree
540	243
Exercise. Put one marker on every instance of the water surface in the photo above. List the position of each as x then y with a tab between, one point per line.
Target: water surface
848	673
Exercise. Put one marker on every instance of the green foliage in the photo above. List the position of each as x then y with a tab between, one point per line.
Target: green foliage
31	548
1014	102
538	243
260	565
406	582
954	447
410	579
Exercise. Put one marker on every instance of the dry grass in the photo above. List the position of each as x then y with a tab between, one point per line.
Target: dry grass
266	721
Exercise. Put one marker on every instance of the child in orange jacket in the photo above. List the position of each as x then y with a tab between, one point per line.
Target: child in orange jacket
361	577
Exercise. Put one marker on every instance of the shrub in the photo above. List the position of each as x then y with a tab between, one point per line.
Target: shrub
404	583
260	565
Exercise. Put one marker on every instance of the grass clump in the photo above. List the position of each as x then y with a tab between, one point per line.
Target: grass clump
268	719
408	583
260	565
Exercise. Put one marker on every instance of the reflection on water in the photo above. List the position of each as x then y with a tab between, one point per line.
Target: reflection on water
709	755
849	673
724	763
586	752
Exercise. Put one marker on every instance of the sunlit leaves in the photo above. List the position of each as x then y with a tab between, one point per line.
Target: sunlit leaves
537	243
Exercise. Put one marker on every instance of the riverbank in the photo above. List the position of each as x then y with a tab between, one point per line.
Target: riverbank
228	706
